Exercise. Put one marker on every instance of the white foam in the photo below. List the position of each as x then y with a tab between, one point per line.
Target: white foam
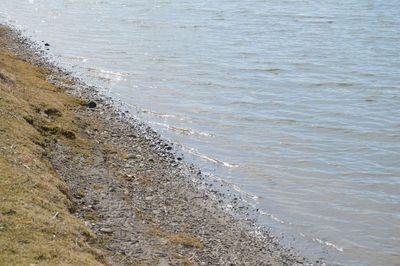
183	131
273	217
76	58
213	160
329	244
107	74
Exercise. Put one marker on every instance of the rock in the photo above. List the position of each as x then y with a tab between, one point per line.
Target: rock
128	165
106	230
92	104
46	44
133	156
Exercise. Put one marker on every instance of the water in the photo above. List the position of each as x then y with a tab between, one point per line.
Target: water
296	103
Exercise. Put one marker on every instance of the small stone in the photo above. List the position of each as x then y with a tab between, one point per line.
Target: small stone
106	230
133	156
128	165
92	104
46	44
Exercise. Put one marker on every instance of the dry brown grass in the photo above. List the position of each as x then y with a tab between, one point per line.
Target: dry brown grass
36	226
177	238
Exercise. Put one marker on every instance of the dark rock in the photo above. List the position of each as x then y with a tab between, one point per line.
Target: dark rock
46	44
92	104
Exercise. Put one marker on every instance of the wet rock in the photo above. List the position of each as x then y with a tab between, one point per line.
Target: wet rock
92	104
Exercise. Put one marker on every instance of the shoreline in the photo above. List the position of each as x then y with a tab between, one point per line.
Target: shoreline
141	203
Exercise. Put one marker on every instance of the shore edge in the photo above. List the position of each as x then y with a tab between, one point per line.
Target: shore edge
83	183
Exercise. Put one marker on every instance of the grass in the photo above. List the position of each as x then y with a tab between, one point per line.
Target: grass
177	238
32	114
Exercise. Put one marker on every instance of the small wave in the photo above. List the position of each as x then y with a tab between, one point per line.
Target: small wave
158	114
329	244
243	103
107	74
284	121
274	70
188	131
331	84
270	70
205	157
250	203
76	58
273	217
244	193
315	19
184	131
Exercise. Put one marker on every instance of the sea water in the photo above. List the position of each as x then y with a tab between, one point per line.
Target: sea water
295	103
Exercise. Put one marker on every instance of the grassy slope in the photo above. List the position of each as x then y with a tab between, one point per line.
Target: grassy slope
36	226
